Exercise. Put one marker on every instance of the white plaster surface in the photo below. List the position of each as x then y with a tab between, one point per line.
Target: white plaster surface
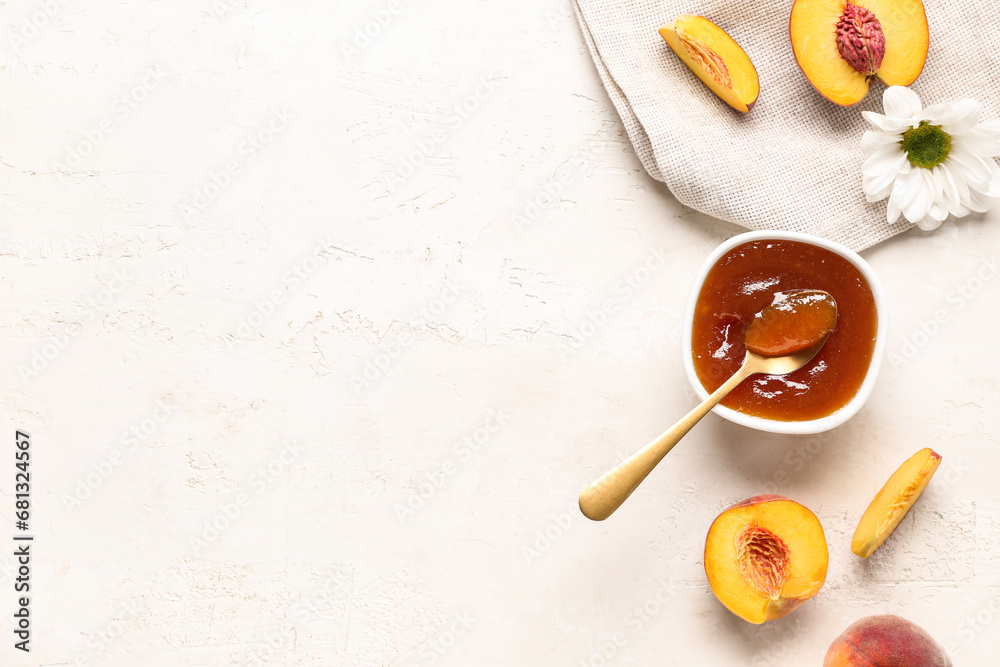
319	341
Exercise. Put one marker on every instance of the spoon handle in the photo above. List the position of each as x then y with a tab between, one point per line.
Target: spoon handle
606	493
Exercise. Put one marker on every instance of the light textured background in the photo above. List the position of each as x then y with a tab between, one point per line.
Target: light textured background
320	341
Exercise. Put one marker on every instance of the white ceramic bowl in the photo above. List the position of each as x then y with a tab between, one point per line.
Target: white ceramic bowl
772	425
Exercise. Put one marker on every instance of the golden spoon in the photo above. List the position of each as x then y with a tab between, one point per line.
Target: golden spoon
782	338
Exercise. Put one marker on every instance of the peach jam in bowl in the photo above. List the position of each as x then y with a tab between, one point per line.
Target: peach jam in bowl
738	280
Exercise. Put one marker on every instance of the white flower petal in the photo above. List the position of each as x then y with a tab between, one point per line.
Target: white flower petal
885	124
887	158
934	182
970	168
938	113
919	200
966	116
892	210
954	118
904	191
872	117
900	102
877	183
983	140
897	126
877	190
930	190
961	211
994	188
957	176
872	141
951	195
980	202
929	223
934	218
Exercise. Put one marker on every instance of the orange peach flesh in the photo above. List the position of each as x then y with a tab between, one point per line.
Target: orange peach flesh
904	23
764	557
885	640
893	501
715	58
813	27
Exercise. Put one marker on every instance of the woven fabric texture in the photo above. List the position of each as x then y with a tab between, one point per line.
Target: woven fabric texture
794	161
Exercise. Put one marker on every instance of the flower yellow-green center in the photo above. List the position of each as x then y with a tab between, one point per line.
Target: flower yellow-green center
926	145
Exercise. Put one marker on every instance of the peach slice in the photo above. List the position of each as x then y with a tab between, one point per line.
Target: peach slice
842	45
765	556
893	501
715	58
885	641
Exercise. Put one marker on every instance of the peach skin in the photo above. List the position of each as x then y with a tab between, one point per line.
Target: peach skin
885	641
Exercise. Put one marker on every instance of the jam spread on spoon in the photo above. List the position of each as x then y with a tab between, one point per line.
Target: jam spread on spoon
796	321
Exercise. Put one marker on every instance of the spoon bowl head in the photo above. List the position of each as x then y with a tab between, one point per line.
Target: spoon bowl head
795	321
785	364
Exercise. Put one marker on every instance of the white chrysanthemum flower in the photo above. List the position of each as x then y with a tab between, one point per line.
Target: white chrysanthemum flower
930	163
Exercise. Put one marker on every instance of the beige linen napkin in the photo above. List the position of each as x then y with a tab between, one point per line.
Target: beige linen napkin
794	161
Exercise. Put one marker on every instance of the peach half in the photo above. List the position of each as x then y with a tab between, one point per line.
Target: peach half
715	58
765	556
885	641
842	45
893	501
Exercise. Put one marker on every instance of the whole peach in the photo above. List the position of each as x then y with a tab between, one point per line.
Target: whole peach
885	641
